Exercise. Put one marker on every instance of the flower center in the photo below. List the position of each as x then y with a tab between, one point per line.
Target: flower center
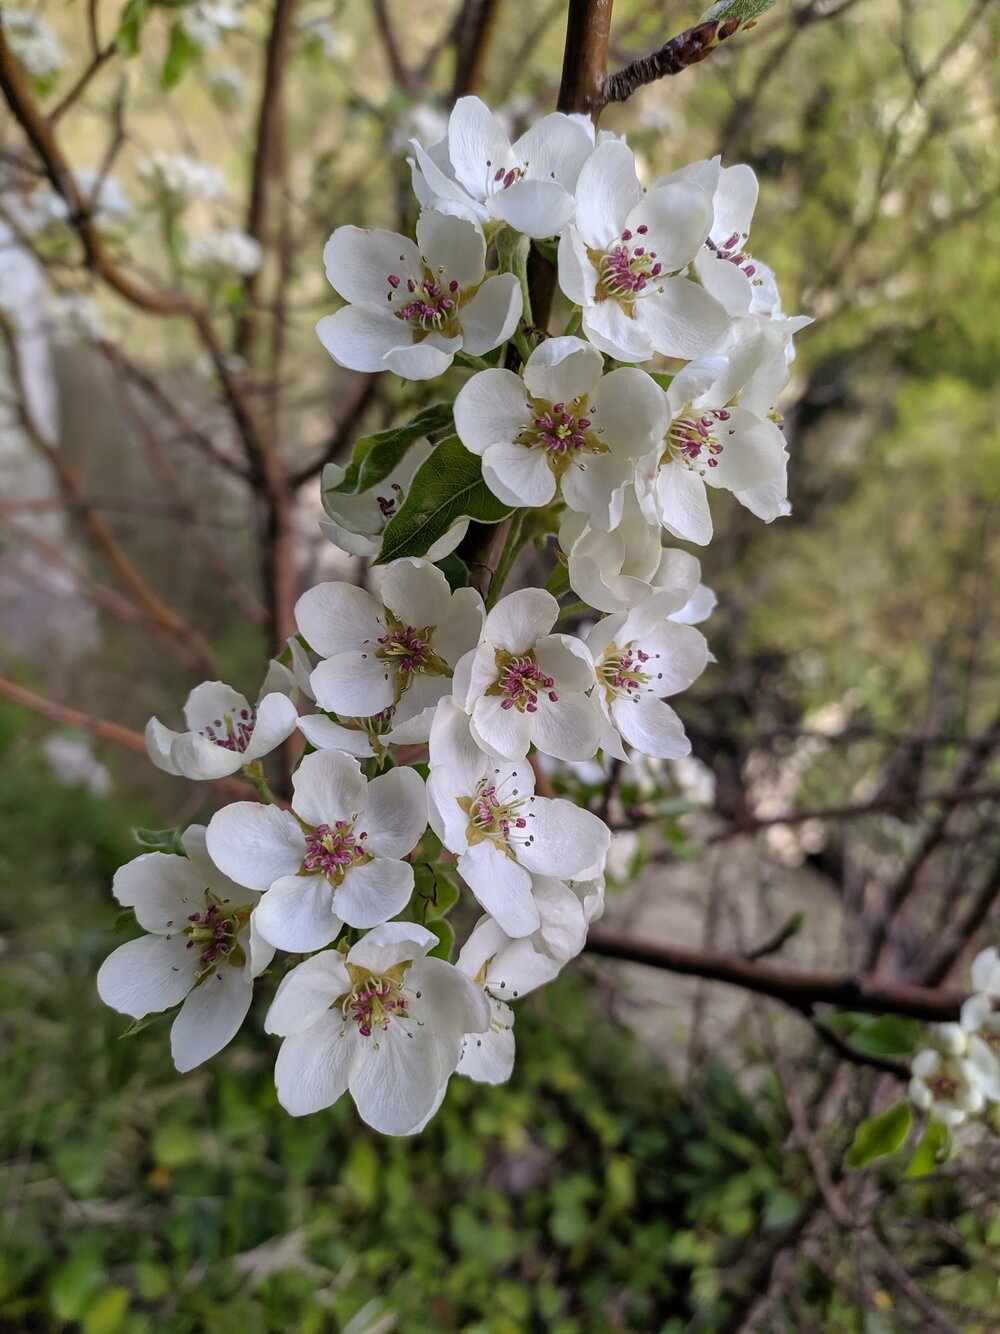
497	817
504	177
519	681
625	269
232	732
693	438
407	650
730	251
428	304
213	934
375	999
620	670
331	850
387	504
944	1087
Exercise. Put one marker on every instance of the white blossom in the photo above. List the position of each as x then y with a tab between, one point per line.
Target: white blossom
33	42
383	1022
336	857
640	657
208	20
503	835
397	651
565	427
981	1024
524	685
411	307
203	949
476	172
182	178
943	1083
225	732
225	251
622	262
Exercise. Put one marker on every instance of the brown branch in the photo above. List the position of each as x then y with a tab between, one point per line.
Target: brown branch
673	57
358	395
402	75
470	36
801	991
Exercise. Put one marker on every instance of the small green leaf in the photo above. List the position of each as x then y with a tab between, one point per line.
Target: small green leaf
886	1035
662	378
881	1134
375	456
137	1025
455	571
447	487
744	11
160	840
932	1150
181	53
446	939
133	17
436	892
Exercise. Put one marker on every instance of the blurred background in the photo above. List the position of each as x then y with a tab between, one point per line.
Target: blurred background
668	1154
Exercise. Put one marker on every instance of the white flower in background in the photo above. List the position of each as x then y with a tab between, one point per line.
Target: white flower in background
981	1023
944	1083
336	857
503	835
382	1022
423	121
203	949
524	685
42	206
228	88
477	172
720	435
75	764
413	306
397	651
356	522
985	972
621	260
33	42
564	427
334	44
182	178
208	20
225	732
639	658
225	251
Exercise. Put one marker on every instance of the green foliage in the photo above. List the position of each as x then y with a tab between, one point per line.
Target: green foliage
743	10
880	1135
435	893
130	26
375	456
160	840
878	1035
931	1151
182	52
447	487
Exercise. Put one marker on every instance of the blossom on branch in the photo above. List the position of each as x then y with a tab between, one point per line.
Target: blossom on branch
225	732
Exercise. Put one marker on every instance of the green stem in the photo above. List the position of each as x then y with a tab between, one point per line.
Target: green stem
511	549
575	320
254	771
471	363
512	255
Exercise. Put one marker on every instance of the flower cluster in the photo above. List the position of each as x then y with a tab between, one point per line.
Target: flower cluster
431	716
956	1077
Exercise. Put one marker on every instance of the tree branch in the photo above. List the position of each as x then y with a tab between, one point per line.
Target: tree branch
673	57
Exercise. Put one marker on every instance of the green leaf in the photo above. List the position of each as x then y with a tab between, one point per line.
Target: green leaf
447	487
181	54
446	939
375	456
436	892
160	840
886	1035
932	1149
881	1134
662	378
744	11
133	17
455	571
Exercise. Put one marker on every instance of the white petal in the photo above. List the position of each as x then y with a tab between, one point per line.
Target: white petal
449	1001
254	844
577	275
555	148
488	1058
618	334
297	914
502	733
477	145
453	248
372	893
360	338
356	684
753	451
314	1068
359	261
535	208
683	503
520	618
325	734
210	702
567	840
159	740
491	316
210	1017
306	993
416	591
651	726
562	369
336	617
276	720
396	1083
147	975
459	629
518	475
678	218
630	409
568	728
682	320
161	888
328	786
424	360
734	202
454	754
196	757
502	887
396	813
491	406
607	190
391	943
598	489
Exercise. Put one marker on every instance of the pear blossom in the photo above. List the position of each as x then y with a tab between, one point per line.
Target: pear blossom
503	835
206	21
356	522
334	858
721	435
383	1022
985	972
360	737
943	1082
565	427
411	307
226	251
33	42
623	259
181	178
476	172
202	952
981	1023
397	651
524	685
639	657
225	732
